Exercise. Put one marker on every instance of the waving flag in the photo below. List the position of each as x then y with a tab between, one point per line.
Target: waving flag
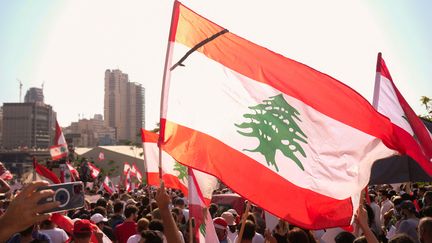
73	171
294	141
204	230
45	173
108	185
175	175
128	181
5	173
60	148
138	173
390	102
94	171
65	173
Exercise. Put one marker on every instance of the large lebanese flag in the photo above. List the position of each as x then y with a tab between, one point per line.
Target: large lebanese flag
294	141
204	230
390	102
174	174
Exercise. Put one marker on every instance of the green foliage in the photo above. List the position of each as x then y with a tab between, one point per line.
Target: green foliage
427	102
274	124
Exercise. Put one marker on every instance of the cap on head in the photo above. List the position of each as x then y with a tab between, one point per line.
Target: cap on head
220	223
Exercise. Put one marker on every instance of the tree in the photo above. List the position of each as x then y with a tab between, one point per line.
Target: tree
427	102
274	124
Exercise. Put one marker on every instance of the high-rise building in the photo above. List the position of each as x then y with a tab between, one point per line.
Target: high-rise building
34	95
1	126
30	125
90	133
123	106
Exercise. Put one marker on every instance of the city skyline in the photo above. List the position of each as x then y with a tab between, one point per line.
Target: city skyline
69	45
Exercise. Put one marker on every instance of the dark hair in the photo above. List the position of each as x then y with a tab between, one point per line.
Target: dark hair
27	231
401	238
118	206
156	224
101	202
83	235
297	235
101	210
344	237
130	210
151	236
370	214
249	230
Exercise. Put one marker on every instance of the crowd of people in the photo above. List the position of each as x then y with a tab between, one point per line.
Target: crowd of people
149	214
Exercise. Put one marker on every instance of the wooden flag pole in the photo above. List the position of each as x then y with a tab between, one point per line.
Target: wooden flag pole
191	230
243	222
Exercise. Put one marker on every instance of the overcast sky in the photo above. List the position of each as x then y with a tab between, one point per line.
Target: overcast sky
68	45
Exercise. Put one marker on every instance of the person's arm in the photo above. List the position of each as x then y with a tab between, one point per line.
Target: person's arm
24	211
170	227
362	220
4	186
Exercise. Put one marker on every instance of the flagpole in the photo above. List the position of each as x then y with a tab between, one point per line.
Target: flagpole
165	79
243	222
377	83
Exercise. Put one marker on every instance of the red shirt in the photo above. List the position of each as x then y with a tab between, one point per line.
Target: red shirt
124	231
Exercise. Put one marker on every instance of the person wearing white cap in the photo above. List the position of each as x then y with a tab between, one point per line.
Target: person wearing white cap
101	222
232	228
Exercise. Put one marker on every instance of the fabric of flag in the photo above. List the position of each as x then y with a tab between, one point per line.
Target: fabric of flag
73	171
108	185
174	174
294	141
390	102
65	173
94	171
138	173
45	173
101	156
128	181
59	137
58	151
204	230
5	173
127	168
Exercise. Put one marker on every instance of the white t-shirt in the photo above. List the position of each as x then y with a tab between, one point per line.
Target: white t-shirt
258	238
134	238
57	235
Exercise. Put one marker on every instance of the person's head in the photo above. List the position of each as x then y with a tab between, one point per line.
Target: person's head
99	220
372	198
384	195
407	209
46	225
156	224
229	218
156	213
131	212
221	227
102	202
151	236
401	238
344	237
142	224
28	231
82	230
424	230
249	230
100	210
213	209
179	203
427	197
297	235
118	207
179	214
427	211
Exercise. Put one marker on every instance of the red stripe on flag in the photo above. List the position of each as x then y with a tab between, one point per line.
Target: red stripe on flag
263	187
149	137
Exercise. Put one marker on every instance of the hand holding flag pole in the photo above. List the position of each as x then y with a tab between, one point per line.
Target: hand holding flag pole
243	222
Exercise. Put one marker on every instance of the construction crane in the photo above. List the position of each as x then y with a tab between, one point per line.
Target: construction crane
20	89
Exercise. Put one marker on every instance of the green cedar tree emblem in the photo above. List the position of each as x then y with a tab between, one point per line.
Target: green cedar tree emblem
202	229
182	170
273	122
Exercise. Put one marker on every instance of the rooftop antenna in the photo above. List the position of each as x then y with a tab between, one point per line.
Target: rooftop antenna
20	89
43	84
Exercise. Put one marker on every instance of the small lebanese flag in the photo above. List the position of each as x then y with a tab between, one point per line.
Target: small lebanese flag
94	171
128	181
288	127
138	173
101	156
127	168
5	173
73	171
204	230
390	102
175	175
108	185
58	151
65	173
46	173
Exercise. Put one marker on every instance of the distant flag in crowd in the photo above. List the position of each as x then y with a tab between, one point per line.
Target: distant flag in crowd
127	168
60	148
5	173
138	173
128	181
204	229
65	173
45	173
175	175
101	156
108	185
390	102
94	171
292	140
73	171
